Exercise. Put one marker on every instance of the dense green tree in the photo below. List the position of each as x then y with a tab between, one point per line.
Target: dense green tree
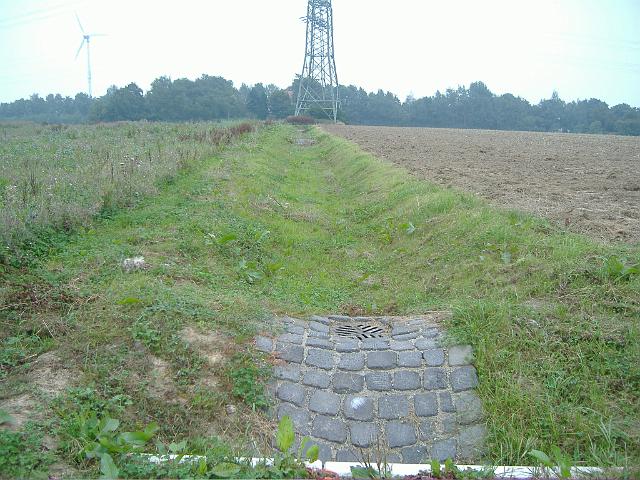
257	102
281	104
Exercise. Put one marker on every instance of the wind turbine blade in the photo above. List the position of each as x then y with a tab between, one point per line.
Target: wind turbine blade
79	24
80	48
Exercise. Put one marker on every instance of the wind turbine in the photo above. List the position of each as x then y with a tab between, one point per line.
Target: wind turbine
86	38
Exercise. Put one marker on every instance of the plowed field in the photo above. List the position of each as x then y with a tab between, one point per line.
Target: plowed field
588	183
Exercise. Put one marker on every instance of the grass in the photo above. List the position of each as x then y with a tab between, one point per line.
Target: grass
270	227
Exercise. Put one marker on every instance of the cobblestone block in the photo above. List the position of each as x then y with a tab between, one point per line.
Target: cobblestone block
406	380
427	430
469	407
426	343
415	454
449	424
434	357
460	355
382	360
434	379
289	352
410	359
403	329
323	402
375	344
324	450
358	408
393	406
406	336
290	338
444	449
363	434
329	428
264	344
316	378
319	358
446	402
347	382
295	329
351	361
314	334
463	378
320	319
471	440
299	417
401	346
379	381
287	372
319	327
400	434
346	456
319	343
347	345
426	404
291	392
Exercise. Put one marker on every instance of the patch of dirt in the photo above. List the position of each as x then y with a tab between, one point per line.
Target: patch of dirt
49	376
210	345
161	385
588	183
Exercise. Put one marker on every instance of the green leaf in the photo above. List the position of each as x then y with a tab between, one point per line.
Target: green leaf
137	439
313	453
506	258
202	467
285	435
225	470
129	301
108	425
108	469
151	429
435	468
177	447
542	457
408	228
229	237
363	472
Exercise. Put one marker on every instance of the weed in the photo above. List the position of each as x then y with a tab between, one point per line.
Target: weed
249	377
22	456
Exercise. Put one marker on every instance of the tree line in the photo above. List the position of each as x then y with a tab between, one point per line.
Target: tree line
215	98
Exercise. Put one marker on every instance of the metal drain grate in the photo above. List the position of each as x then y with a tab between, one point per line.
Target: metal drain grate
359	331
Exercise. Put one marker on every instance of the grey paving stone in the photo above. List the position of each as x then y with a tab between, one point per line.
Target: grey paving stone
431	333
443	450
299	417
340	318
347	382
363	434
290	338
289	352
347	345
295	329
449	424
382	360
393	458
426	343
406	336
460	355
329	428
426	404
324	402
434	357
375	344
291	392
319	358
351	361
434	378
427	430
319	343
415	454
471	441
358	408
320	319
401	346
406	380
446	402
400	434
463	378
264	344
319	327
379	381
316	378
287	372
324	450
314	334
469	407
346	456
410	359
403	329
393	406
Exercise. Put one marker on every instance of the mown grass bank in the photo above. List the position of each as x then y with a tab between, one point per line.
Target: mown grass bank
271	226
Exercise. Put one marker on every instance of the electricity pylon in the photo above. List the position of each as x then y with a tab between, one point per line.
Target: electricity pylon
86	38
319	80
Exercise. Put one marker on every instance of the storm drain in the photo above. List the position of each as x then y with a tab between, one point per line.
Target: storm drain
360	331
362	385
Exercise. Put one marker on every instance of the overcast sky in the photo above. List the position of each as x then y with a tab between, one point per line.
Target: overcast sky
581	48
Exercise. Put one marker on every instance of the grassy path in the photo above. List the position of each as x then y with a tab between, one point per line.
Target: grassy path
270	226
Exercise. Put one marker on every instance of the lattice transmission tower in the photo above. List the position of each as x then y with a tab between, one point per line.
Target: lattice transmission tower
319	80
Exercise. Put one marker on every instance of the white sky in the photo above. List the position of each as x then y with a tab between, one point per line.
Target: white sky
582	48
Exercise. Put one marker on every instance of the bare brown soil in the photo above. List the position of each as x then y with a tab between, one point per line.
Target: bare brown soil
588	183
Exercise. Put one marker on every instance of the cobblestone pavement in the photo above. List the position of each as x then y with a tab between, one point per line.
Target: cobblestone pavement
377	384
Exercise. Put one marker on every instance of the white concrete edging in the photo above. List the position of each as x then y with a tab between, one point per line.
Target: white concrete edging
344	468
